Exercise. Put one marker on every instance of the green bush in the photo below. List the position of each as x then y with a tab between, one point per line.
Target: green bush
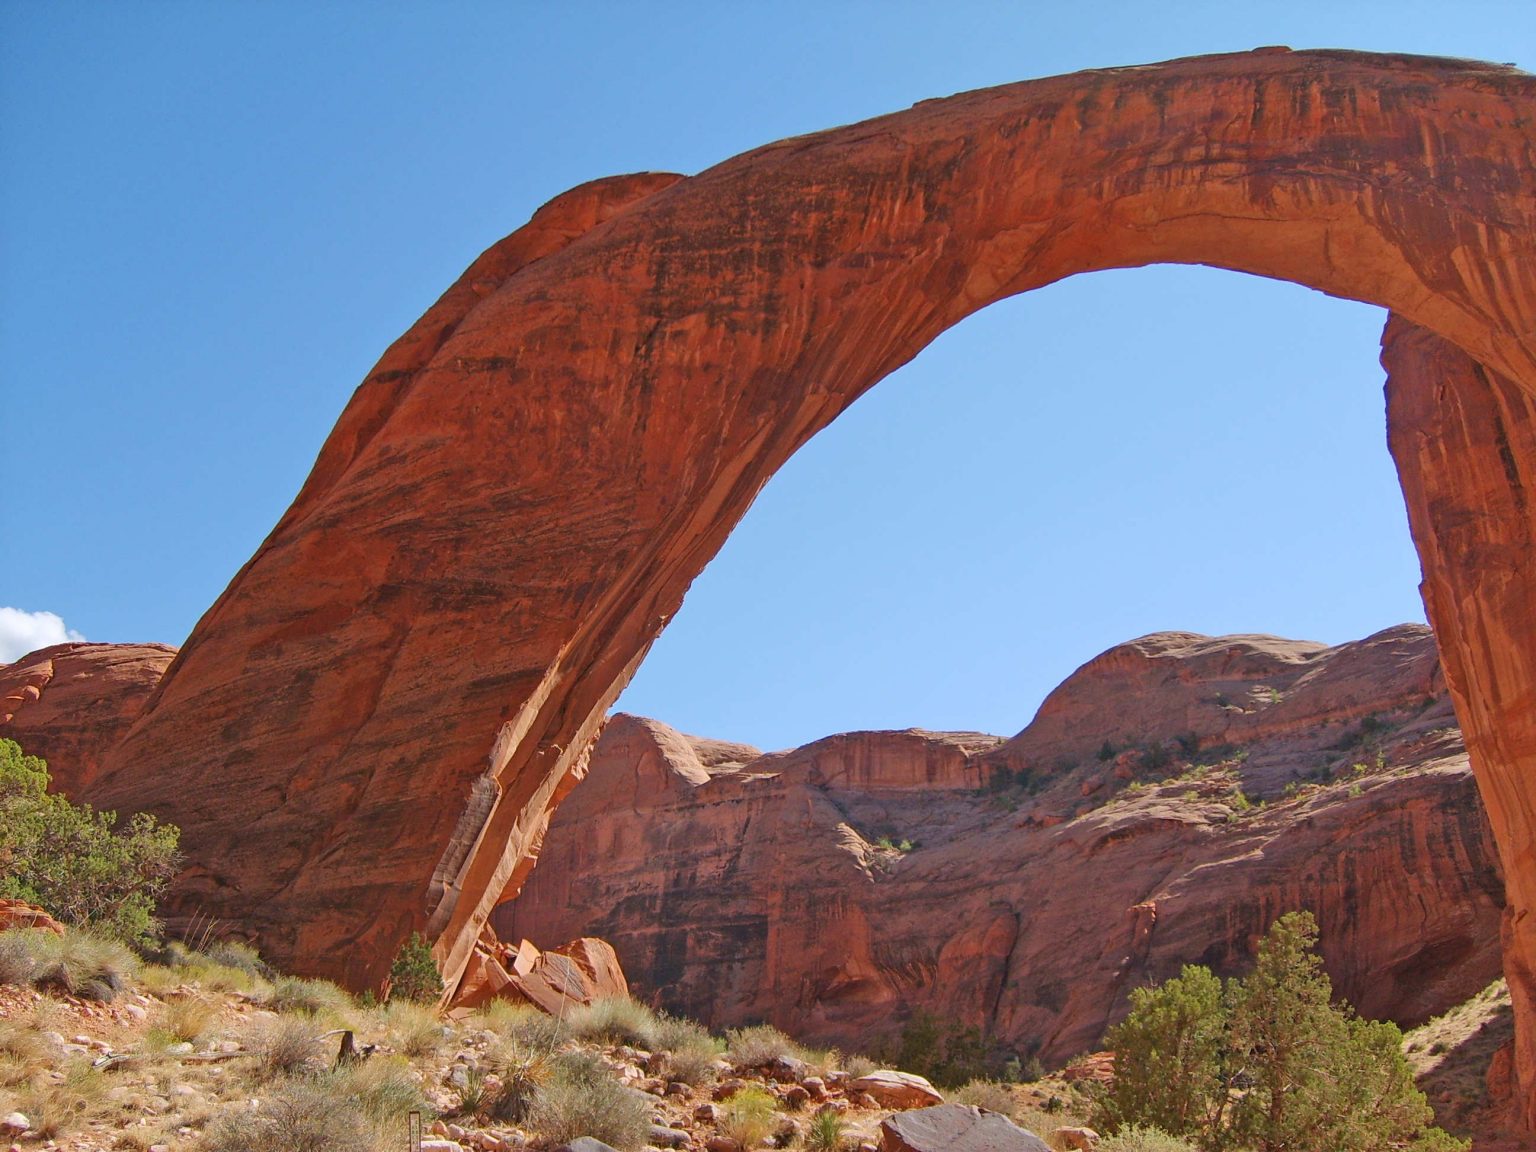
946	1052
1267	1062
71	860
413	975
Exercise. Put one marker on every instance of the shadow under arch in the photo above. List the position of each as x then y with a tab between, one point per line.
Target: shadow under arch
366	732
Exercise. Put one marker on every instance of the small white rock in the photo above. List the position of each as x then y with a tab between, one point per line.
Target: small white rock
15	1123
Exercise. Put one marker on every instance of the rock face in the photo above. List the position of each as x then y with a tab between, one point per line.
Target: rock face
366	734
1023	887
71	703
1464	439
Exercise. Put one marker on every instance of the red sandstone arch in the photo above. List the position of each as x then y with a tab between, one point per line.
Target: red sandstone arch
366	733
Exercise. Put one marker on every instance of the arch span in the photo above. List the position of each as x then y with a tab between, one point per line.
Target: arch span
366	733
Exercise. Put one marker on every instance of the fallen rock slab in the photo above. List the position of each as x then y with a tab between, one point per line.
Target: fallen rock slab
956	1128
894	1089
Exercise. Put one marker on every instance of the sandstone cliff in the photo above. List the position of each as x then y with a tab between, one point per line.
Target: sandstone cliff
70	703
1024	886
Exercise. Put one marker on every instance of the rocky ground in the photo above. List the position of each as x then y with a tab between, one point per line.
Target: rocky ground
199	1055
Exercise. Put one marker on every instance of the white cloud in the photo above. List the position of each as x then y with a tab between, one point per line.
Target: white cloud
23	632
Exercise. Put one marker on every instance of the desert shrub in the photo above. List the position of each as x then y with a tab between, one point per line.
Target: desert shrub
237	955
1144	1138
78	963
72	860
1313	1074
525	1024
188	1019
749	1117
523	1072
858	1065
582	1098
22	1051
383	1088
413	1029
988	1094
615	1020
758	1045
691	1052
307	997
18	956
824	1133
413	975
286	1046
301	1115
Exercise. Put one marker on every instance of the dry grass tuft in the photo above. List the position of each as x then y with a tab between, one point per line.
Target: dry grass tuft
66	1105
413	1029
187	1019
286	1047
582	1098
301	1115
616	1020
750	1117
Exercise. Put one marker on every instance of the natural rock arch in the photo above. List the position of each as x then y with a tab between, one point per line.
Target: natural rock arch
367	731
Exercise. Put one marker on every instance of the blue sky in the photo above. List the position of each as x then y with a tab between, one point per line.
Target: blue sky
215	217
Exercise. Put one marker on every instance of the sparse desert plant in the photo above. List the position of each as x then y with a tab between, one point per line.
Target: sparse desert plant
758	1045
285	1047
582	1098
55	1107
80	964
235	954
858	1065
523	1072
1140	1138
525	1024
614	1020
413	1029
382	1087
294	994
413	975
749	1117
301	1115
691	1052
825	1132
19	956
988	1094
22	1051
187	1018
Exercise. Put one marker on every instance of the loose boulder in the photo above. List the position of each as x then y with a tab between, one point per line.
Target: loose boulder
956	1128
897	1089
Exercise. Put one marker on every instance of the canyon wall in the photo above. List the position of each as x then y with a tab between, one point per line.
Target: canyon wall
1022	888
